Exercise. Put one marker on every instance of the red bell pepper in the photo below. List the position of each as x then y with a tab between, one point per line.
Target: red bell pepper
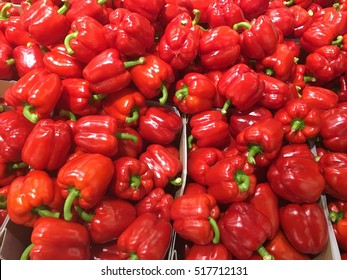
266	201
302	20
276	93
301	77
208	129
333	131
208	252
31	196
7	63
107	251
173	8
296	150
46	22
36	94
219	48
127	147
240	120
165	164
157	202
14	130
7	10
300	121
262	141
333	167
253	9
109	218
215	76
77	98
320	97
83	181
337	215
281	248
86	39
132	180
16	34
252	40
224	12
107	73
242	87
333	16
126	105
56	239
48	145
195	217
231	179
281	17
160	125
147	238
244	229
99	134
153	77
129	32
149	10
195	93
200	160
179	44
10	171
296	179
27	58
305	227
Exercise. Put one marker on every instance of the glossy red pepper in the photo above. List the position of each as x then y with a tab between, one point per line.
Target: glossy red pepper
7	10
281	17
83	181
126	105
195	217
296	150
244	229
153	77
10	171
56	239
7	63
107	251
241	86
107	73
253	44
99	134
253	9
195	93
173	8
333	167
208	129
127	147
157	201
165	164
337	215
319	97
31	196
109	218
262	141
302	20
46	22
296	179
333	16
231	179
16	34
160	125
208	252
300	121
36	94
219	48
305	227
147	238
215	76
149	10
14	130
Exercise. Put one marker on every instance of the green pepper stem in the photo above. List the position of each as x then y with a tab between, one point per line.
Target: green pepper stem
10	61
252	152
182	93
26	252
128	64
63	9
3	13
336	216
338	40
67	41
97	97
165	95
44	212
309	79
73	194
176	181
288	3
215	229
197	15
243	24
69	114
242	180
226	106
17	165
102	2
32	117
2	108
84	215
3	202
134	115
264	253
127	136
190	141
133	256
135	182
269	71
297	124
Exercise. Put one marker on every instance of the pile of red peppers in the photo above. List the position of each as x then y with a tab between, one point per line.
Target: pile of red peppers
90	132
